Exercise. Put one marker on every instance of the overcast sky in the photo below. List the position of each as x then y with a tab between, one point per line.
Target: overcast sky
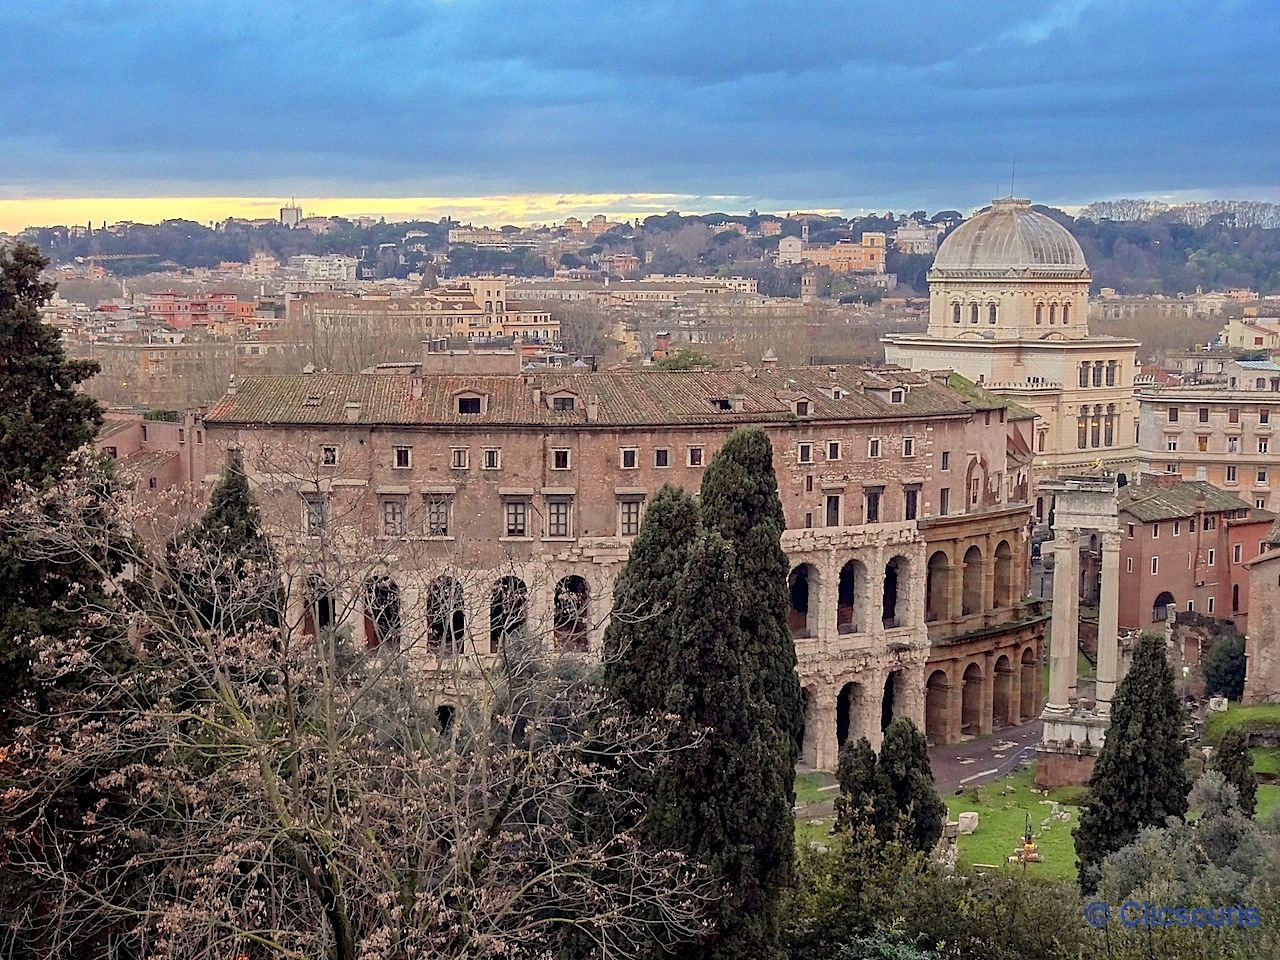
782	104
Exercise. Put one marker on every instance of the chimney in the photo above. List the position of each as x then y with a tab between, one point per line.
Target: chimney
231	386
661	345
770	360
537	396
417	388
352	411
593	407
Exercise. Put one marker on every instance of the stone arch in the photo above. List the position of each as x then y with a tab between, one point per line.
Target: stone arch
809	732
971	591
1160	609
508	611
849	707
849	615
382	623
937	695
571	622
1005	595
971	700
802	589
897	573
446	616
937	587
893	698
1027	688
1003	709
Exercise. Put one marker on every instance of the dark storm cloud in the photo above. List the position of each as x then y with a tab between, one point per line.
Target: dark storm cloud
829	101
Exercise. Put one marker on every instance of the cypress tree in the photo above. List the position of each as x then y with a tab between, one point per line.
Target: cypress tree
740	504
1233	760
43	419
904	765
1138	780
864	792
640	640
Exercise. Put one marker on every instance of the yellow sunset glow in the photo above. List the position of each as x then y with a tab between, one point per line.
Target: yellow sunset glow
18	213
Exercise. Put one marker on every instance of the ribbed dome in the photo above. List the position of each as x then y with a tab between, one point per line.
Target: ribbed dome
1011	236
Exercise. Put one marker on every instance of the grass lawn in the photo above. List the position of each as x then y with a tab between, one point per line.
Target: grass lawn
1268	801
1266	760
809	788
1261	716
1002	807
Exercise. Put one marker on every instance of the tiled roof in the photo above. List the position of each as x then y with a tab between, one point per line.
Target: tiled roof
1160	500
640	397
111	426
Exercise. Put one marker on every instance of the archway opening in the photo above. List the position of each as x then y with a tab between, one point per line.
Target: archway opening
847	613
893	573
801	586
382	613
971	595
971	701
507	611
321	611
937	581
446	619
936	693
1160	610
848	703
891	699
1027	691
444	718
571	623
1004	579
1002	696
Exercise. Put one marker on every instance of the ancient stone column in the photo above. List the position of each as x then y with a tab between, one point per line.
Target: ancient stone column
1108	622
1065	623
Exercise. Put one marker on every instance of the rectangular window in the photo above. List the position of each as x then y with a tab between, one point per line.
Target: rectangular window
559	513
833	510
1231	475
630	459
1177	528
1233	444
559	459
403	458
871	512
808	483
1260	503
908	446
1155	531
438	510
328	456
661	457
144	433
468	404
1202	444
946	459
1209	558
1264	416
317	512
1155	566
911	496
1203	415
563	404
492	459
393	518
805	454
1210	606
808	521
944	501
516	518
1233	415
873	448
833	449
975	491
1131	531
1264	446
695	456
1262	476
1173	414
628	517
1128	565
460	459
1237	552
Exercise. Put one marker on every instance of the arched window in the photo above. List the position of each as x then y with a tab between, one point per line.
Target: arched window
973	313
955	313
1066	313
1039	313
1053	313
991	313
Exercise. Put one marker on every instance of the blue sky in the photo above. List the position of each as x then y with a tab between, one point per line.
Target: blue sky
832	104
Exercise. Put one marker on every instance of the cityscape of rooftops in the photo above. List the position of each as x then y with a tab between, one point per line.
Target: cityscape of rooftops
490	478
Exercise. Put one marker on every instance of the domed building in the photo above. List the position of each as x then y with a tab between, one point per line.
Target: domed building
1008	308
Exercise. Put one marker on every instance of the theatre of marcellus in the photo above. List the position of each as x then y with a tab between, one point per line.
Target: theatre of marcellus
501	499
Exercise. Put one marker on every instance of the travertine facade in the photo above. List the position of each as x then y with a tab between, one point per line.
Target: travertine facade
906	501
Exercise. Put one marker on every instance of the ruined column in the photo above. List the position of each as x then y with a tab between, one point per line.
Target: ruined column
986	720
1065	622
1108	621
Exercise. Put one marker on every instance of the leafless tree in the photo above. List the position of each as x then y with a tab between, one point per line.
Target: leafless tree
271	784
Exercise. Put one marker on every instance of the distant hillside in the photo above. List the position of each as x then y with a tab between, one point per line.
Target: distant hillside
1238	213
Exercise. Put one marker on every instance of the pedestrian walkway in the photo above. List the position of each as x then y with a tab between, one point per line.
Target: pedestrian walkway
980	759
